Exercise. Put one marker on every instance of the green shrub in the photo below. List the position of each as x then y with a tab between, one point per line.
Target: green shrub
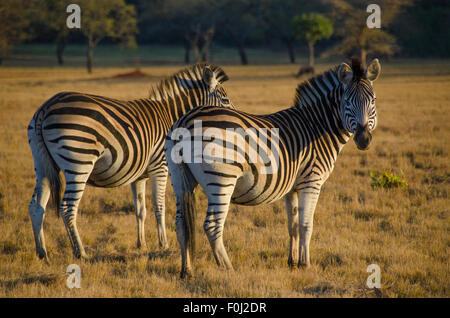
387	180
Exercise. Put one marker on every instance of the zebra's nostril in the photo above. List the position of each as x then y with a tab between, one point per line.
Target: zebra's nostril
363	139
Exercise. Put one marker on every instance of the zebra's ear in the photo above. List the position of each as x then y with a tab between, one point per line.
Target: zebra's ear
210	79
344	73
373	70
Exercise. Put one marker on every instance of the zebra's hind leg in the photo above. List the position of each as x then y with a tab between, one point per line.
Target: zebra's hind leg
180	222
36	209
158	178
291	200
218	206
68	209
182	195
138	190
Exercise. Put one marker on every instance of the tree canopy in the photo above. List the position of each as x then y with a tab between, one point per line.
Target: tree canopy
312	28
16	18
107	18
408	27
353	32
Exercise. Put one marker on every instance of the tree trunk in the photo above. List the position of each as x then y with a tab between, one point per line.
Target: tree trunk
60	46
196	52
363	56
90	55
193	37
311	54
291	50
187	48
205	53
206	42
242	53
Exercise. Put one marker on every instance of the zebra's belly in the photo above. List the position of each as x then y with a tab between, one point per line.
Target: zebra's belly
109	174
256	199
255	189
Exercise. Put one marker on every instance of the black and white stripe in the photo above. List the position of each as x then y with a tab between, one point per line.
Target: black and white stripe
80	139
306	138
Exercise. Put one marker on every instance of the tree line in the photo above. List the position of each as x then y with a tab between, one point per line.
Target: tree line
408	27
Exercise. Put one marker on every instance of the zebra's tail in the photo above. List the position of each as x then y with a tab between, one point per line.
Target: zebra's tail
188	207
44	163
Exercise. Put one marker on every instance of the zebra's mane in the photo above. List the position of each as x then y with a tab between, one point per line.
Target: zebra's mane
307	89
324	80
358	70
172	85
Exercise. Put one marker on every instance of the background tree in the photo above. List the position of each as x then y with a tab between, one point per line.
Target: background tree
312	28
107	18
277	16
188	22
241	21
200	29
356	37
422	28
54	18
16	18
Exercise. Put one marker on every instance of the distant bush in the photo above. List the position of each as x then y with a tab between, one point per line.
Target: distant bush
387	180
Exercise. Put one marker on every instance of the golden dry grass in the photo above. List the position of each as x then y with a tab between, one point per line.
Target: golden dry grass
405	232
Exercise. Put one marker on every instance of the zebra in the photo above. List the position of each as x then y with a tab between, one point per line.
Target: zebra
78	139
306	138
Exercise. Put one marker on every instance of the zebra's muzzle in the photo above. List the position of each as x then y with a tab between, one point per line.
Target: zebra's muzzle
362	137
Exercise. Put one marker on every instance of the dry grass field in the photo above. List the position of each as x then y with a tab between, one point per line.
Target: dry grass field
404	231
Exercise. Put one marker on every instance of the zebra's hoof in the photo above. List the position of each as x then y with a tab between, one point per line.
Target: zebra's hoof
164	246
186	274
45	259
42	253
290	263
81	255
142	246
304	265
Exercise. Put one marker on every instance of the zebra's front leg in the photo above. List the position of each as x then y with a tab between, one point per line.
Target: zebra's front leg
307	204
291	200
138	190
159	181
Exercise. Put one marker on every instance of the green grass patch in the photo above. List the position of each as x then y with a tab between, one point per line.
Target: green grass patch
387	180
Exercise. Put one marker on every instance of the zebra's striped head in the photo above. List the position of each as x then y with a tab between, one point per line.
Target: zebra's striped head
202	82
357	109
213	77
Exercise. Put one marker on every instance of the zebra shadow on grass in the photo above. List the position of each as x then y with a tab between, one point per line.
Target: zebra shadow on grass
44	279
128	257
162	254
